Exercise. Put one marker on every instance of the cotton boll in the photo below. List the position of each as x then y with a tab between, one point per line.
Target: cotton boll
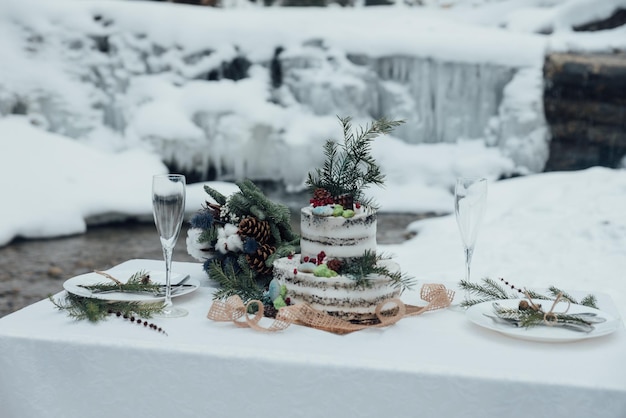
228	239
221	245
198	250
234	243
230	229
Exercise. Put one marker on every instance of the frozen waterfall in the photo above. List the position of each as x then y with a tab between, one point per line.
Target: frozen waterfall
440	101
227	112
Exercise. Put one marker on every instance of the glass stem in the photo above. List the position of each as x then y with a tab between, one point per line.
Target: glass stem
468	261
167	254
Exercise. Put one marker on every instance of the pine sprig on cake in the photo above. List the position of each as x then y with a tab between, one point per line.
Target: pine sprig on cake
370	263
349	168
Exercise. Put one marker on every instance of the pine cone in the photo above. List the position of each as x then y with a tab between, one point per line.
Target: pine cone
254	228
257	259
345	200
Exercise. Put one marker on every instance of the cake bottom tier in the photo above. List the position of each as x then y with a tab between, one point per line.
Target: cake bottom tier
338	296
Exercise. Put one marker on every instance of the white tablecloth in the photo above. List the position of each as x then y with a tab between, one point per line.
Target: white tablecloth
434	365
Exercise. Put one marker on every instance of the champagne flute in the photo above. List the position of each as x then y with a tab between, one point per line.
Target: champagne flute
470	200
168	208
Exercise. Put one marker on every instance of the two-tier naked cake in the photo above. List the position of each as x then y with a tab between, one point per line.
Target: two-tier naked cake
338	270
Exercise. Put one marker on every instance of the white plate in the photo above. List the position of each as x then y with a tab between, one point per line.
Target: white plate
541	333
73	286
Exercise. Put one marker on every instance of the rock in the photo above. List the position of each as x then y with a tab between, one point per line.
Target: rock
55	272
322	211
307	267
585	106
274	289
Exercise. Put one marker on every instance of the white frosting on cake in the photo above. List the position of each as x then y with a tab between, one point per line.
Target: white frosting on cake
339	296
337	236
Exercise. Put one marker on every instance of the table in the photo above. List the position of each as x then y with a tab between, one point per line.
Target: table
434	365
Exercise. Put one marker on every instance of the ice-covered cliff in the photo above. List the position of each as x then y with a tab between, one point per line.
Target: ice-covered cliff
224	94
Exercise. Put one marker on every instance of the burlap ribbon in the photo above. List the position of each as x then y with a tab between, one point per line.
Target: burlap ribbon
233	309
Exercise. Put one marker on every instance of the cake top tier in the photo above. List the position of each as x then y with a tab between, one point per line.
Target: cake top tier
349	167
337	236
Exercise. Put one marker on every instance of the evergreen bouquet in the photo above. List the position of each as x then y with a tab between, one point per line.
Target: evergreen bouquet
239	237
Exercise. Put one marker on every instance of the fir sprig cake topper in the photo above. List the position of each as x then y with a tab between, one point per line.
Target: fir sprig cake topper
349	167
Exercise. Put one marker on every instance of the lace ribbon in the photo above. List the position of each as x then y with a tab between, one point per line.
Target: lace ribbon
233	309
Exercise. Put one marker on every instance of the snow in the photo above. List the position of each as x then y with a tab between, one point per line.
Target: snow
61	173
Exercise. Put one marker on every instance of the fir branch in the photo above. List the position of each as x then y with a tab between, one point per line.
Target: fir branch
536	295
349	168
590	301
219	198
128	287
530	318
470	302
555	292
233	282
359	268
282	251
239	205
489	290
287	235
257	212
138	282
94	310
495	288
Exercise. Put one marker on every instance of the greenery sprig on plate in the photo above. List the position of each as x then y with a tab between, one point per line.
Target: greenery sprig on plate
526	315
138	282
491	290
96	309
